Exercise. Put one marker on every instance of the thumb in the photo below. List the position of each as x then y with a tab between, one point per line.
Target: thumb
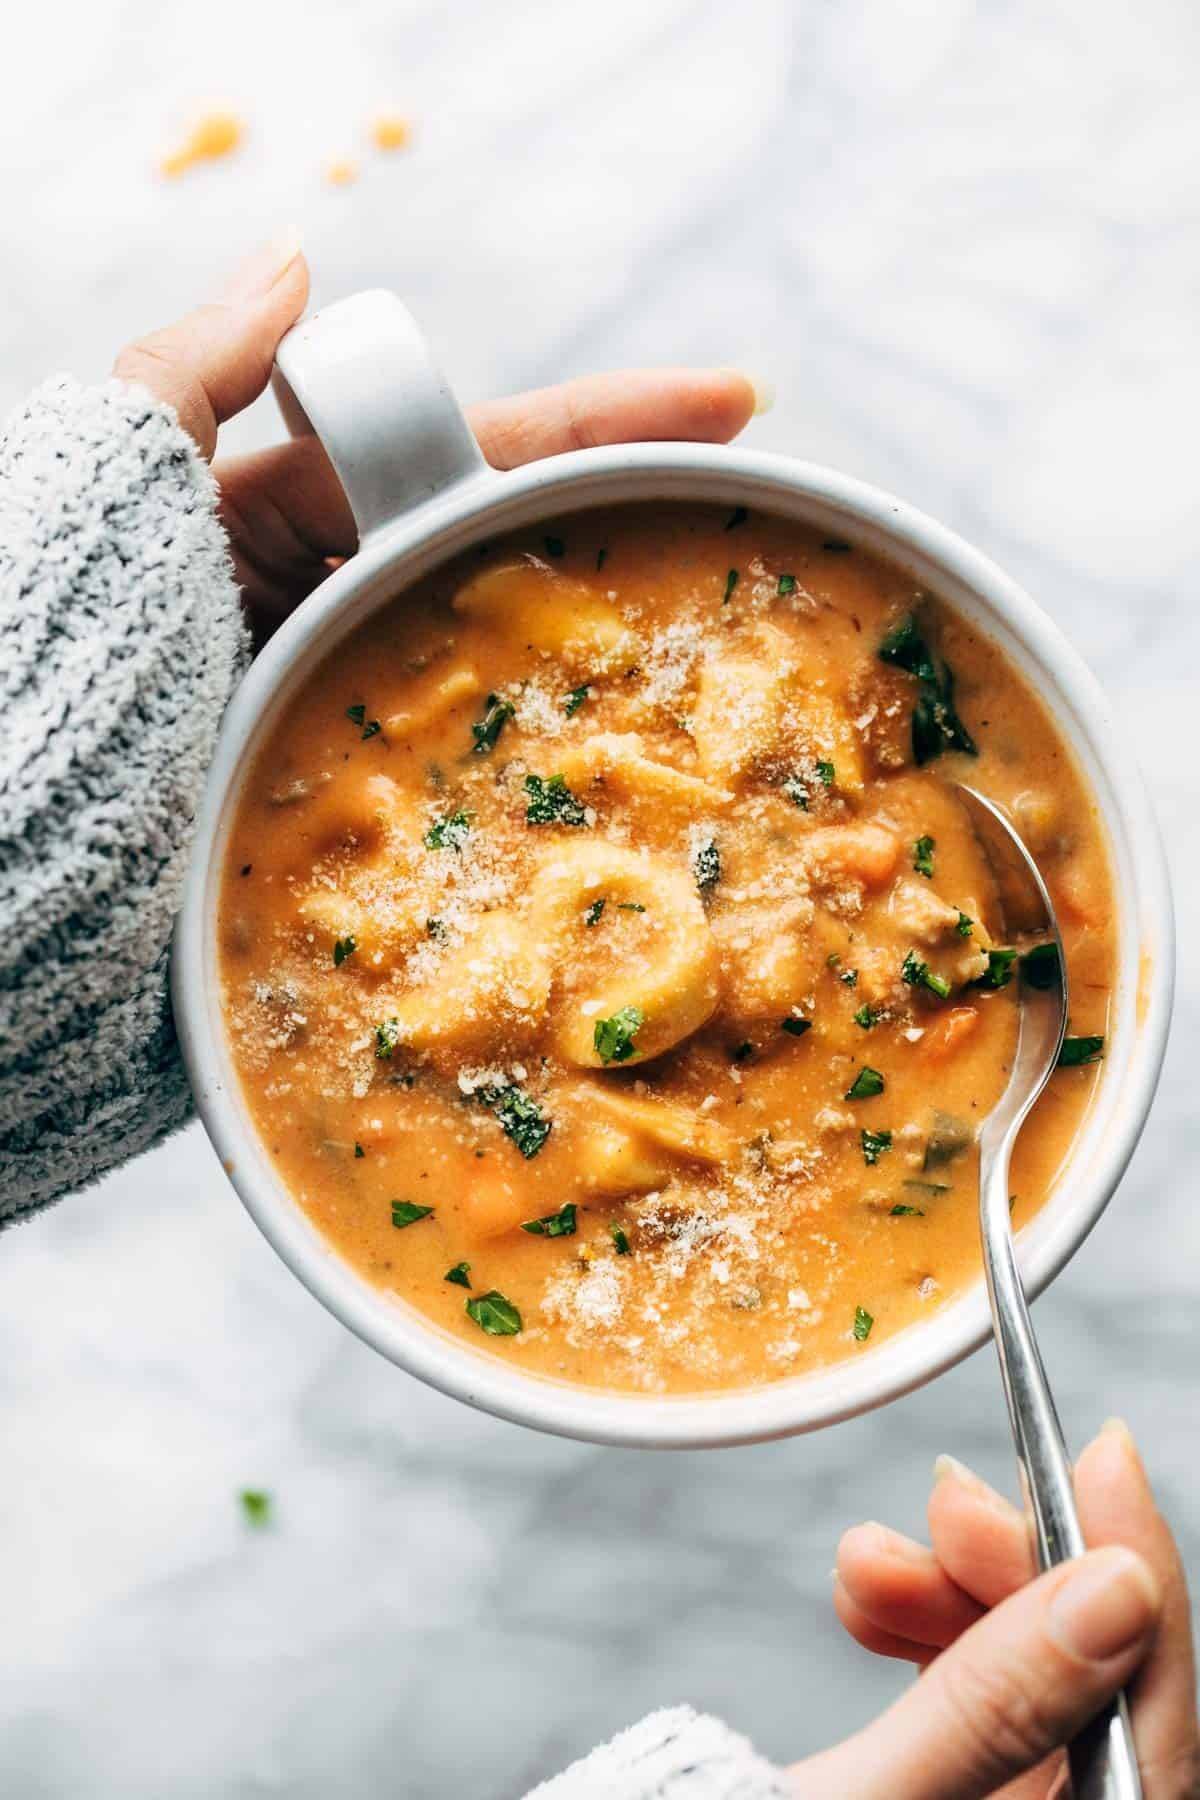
216	360
1023	1681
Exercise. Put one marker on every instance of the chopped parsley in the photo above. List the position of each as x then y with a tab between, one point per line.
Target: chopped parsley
794	1026
356	714
449	833
620	1240
1041	967
256	1506
406	1212
796	792
742	1052
787	585
863	1321
575	699
932	1188
731	581
833	959
485	731
436	929
1078	1052
965	925
849	977
518	1117
371	729
866	1084
358	1150
999	970
706	864
343	947
874	1143
556	1224
459	1275
601	557
837	546
949	1137
737	517
387	1036
900	1211
554	546
593	914
919	974
826	774
630	906
923	856
494	1314
936	725
614	1038
866	1016
552	802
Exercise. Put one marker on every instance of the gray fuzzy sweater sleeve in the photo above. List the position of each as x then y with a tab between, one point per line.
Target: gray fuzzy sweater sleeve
121	639
676	1754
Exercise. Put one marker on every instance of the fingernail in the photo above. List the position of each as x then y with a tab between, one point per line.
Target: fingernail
262	269
764	393
1106	1604
1119	1429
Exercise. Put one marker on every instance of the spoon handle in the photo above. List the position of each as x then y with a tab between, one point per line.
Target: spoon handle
1103	1760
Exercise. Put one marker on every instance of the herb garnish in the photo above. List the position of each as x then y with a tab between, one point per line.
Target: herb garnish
406	1212
999	970
554	546
356	714
556	1224
518	1117
849	977
436	929
826	774
919	974
601	557
371	729
342	948
575	699
614	1038
485	731
742	1052
630	906
796	792
837	546
387	1036
552	802
706	864
1041	967
1078	1052
936	725
907	1212
592	915
866	1016
866	1084
737	517
256	1507
923	856
949	1137
863	1321
965	926
874	1143
787	585
731	581
358	1150
460	1275
794	1026
494	1314
620	1241
449	833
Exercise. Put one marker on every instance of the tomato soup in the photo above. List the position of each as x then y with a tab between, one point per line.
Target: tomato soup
611	969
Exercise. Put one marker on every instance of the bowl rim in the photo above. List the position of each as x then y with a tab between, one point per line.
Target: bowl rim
488	503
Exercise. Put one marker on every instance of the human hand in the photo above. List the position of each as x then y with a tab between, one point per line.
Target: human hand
284	509
1013	1666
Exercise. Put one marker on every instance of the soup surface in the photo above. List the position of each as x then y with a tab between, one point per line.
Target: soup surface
610	968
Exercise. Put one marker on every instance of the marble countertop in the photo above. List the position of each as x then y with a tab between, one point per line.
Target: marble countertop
962	241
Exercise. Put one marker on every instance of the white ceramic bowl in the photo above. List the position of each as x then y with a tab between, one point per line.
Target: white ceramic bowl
358	373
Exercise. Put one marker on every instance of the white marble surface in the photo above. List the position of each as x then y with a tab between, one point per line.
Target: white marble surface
962	239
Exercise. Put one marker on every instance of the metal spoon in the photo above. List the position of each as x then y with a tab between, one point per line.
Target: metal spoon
1103	1760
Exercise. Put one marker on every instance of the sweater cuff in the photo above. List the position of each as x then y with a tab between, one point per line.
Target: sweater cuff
676	1754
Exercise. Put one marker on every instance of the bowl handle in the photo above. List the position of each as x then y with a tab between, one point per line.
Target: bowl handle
358	375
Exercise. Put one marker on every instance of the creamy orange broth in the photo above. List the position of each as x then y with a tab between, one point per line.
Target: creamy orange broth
678	957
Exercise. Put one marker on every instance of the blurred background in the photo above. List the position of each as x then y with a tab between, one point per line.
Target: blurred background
962	240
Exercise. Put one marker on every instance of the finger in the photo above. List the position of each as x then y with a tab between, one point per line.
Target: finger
707	406
1116	1506
873	1637
216	360
902	1588
1019	1684
286	515
286	512
979	1537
